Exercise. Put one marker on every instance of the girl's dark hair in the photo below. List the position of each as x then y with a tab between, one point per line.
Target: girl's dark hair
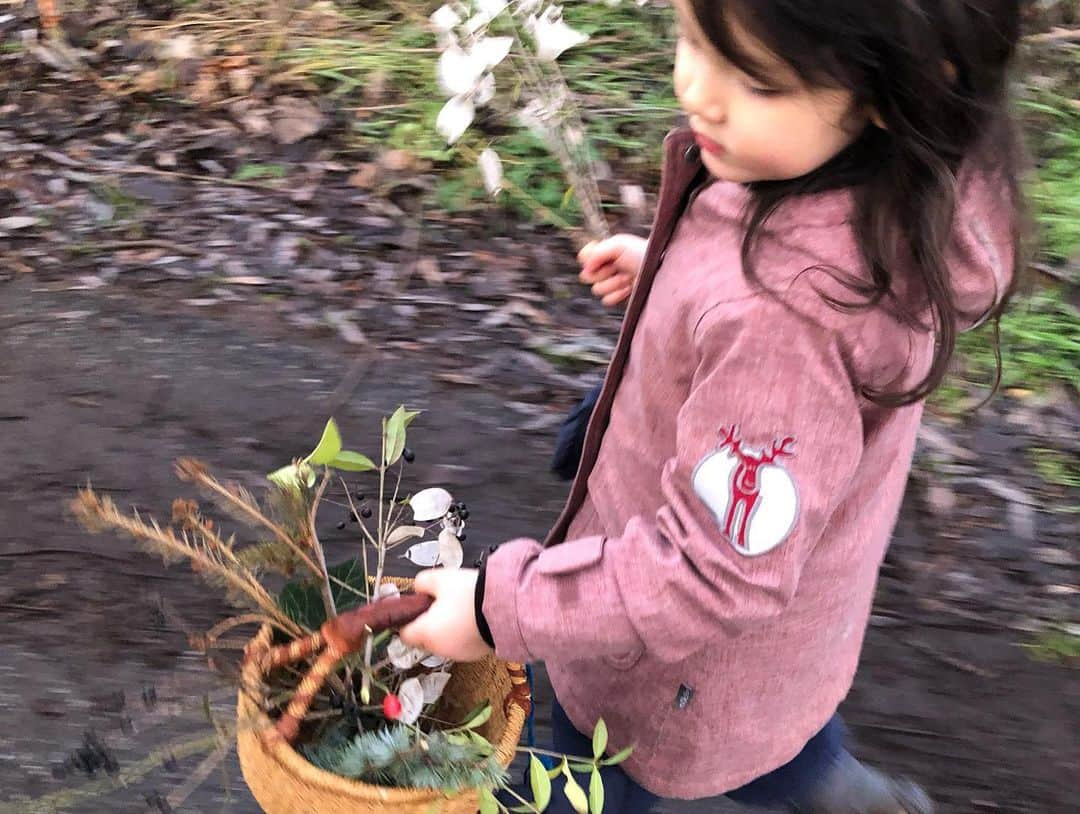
936	74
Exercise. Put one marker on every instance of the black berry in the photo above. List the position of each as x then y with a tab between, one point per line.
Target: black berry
341	525
408	455
365	512
359	496
463	537
463	514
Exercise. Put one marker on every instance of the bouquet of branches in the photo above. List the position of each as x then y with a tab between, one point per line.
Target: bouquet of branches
333	705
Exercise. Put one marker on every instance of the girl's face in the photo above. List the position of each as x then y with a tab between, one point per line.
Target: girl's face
753	129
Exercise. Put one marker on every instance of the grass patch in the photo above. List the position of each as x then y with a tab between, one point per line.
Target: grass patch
1040	346
1054	132
125	206
1056	646
257	172
1056	467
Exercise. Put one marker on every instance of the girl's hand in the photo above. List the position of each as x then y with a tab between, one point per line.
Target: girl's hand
448	628
610	266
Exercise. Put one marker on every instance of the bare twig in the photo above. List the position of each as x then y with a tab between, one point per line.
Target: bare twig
316	546
1055	35
952	661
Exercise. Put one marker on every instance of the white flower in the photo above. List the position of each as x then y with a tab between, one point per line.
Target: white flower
434	661
444	19
526	7
450	552
484	91
552	34
403	533
411	696
491	170
492	8
402	656
492	50
430	504
477	21
433	684
458	71
423	554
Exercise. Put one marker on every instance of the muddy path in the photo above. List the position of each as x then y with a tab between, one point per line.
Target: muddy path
101	386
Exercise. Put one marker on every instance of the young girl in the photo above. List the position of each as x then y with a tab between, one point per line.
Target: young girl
844	202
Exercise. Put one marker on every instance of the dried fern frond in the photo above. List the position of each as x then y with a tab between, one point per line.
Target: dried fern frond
210	557
271	555
239	503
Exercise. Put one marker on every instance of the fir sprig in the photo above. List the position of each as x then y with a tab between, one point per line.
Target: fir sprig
396	756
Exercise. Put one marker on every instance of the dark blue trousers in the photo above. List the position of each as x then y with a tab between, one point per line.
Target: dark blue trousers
788	785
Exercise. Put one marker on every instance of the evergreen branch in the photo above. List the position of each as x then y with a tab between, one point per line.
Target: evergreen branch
98	514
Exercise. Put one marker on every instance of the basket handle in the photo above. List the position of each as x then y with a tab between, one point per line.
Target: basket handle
342	635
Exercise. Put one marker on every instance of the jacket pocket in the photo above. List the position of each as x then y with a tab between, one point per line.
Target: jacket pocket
577	555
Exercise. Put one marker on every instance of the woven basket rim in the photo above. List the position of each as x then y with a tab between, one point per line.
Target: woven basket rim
253	721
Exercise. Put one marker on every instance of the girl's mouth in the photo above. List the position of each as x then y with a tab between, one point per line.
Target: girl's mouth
708	145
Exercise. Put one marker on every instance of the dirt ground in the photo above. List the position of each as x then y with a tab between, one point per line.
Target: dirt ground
99	386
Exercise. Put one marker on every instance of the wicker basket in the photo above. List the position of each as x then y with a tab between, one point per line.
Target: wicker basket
284	782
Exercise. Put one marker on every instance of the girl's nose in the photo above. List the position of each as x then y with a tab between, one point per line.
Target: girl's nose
706	97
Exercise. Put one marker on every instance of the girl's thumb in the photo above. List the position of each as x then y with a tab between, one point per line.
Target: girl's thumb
586	251
427	582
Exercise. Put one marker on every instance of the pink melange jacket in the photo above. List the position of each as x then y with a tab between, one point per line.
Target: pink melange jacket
707	587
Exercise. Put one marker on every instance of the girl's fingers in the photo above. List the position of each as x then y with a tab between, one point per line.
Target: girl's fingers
594	275
610	285
615	297
600	254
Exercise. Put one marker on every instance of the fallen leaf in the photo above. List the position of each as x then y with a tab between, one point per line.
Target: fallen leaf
16	222
296	119
365	176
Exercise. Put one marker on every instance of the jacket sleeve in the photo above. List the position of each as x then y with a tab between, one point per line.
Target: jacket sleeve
714	560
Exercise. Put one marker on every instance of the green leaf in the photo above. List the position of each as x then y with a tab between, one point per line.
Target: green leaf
478	717
574	793
581	768
293	476
488	804
481	743
329	445
540	782
349	461
286	478
596	793
618	757
301	600
553	773
395	433
599	739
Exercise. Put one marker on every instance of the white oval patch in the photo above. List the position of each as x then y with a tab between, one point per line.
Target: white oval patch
754	520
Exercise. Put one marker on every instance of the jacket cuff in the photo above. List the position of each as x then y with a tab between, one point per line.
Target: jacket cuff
502	576
478	605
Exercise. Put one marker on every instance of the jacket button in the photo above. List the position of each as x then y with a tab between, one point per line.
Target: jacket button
692	153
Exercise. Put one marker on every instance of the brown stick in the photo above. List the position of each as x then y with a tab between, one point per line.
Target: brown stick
342	635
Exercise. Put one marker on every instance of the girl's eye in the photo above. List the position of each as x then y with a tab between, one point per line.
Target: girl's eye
767	93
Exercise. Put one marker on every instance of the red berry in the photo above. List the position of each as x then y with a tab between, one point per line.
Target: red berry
391	707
